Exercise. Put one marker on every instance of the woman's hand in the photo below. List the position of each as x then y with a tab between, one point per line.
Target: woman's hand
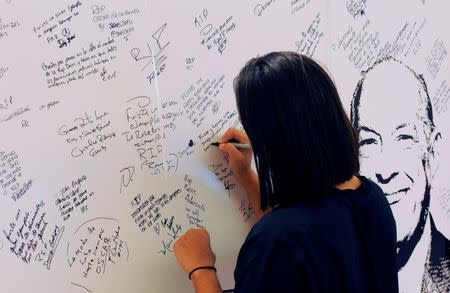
193	250
240	160
240	163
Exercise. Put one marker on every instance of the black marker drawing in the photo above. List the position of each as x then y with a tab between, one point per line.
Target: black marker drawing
393	114
154	60
127	176
81	286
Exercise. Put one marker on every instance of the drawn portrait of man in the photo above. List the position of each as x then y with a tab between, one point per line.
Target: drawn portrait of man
393	114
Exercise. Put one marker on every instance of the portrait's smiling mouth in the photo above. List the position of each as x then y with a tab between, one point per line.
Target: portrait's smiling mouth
395	197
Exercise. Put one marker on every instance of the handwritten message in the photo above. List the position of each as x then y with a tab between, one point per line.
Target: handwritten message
247	210
298	5
57	28
195	208
364	46
262	7
88	134
12	181
224	174
9	110
441	97
444	201
147	213
214	36
202	99
435	58
95	247
117	23
310	38
32	238
49	105
87	62
148	125
73	197
229	119
8	27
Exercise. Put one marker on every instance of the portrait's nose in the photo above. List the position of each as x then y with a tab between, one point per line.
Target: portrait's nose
386	169
385	177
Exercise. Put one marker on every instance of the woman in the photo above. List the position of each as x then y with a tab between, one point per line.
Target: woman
322	227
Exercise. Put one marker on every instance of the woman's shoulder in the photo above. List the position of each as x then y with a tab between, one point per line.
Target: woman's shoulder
281	221
279	232
302	217
366	187
368	193
373	196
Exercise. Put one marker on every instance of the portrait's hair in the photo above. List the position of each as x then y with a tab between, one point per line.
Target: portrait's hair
302	139
425	101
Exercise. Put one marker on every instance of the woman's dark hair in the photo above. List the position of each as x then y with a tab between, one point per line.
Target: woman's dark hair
302	139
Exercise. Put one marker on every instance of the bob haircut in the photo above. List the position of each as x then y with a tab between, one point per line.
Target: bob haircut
302	140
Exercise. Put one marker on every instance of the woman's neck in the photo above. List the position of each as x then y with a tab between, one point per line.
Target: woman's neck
353	183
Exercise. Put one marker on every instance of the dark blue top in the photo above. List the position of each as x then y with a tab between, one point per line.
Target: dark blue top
346	242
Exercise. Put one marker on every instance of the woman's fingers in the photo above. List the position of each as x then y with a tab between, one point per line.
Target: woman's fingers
231	151
234	134
193	249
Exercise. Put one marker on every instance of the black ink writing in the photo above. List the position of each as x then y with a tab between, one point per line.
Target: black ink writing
31	238
73	197
12	181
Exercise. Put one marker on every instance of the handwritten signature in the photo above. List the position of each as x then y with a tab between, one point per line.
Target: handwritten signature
260	8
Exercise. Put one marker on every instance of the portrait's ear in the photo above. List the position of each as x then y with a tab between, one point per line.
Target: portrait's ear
434	151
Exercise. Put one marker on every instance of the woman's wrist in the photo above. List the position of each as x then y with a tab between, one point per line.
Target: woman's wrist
205	278
212	267
202	274
248	179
